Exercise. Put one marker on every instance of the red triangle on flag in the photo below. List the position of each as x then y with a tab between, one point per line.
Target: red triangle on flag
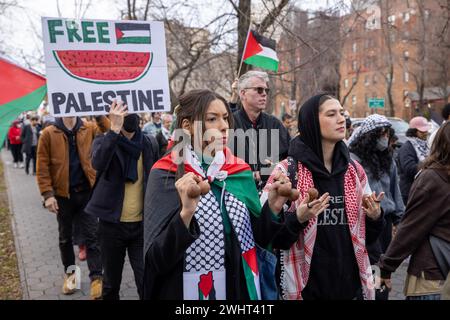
251	259
16	81
119	34
252	46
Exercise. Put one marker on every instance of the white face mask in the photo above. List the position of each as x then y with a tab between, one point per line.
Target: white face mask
382	143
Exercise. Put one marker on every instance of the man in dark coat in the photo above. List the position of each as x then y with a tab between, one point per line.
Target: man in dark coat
123	158
263	140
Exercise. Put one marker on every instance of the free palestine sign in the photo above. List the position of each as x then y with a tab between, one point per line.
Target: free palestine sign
90	63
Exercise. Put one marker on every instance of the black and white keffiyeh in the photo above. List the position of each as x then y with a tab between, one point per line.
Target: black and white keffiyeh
204	260
421	147
372	122
208	251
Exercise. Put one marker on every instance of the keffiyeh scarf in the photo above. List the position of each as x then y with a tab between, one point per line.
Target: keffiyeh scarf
296	262
421	148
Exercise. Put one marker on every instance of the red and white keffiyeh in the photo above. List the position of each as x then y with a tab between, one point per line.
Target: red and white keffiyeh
296	262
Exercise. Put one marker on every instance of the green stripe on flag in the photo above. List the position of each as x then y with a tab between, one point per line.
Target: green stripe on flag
262	62
250	280
11	110
134	40
243	187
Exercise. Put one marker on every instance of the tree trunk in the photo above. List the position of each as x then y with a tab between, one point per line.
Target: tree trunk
243	14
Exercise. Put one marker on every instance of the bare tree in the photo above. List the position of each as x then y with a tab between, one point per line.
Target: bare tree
310	51
202	54
6	4
389	33
430	39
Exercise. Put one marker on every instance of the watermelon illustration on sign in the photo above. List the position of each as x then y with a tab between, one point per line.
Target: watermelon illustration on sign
104	67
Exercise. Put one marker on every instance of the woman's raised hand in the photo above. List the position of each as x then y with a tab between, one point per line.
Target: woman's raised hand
117	113
371	205
184	186
308	210
280	191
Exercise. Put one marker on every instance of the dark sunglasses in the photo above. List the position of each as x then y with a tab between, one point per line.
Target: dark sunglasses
260	90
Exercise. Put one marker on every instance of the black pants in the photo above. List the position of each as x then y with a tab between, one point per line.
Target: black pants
71	210
16	150
376	249
115	240
30	156
77	234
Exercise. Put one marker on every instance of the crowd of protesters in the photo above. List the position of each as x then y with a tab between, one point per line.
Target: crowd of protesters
221	200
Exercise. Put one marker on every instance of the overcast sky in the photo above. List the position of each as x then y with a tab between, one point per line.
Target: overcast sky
20	28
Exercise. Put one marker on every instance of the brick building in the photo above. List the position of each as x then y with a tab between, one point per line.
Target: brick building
394	49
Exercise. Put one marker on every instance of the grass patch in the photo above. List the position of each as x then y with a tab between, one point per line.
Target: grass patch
10	288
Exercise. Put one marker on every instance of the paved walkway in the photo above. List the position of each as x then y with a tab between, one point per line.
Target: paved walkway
36	235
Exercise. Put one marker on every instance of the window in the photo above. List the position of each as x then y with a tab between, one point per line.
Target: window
405	76
405	17
353	80
354	65
345	83
405	93
354	47
366	80
353	99
375	79
427	14
391	19
406	54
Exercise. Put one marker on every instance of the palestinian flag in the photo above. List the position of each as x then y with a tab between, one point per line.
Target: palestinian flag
251	273
137	33
260	52
21	90
239	181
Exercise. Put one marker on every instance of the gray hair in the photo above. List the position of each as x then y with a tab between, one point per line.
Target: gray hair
167	116
244	80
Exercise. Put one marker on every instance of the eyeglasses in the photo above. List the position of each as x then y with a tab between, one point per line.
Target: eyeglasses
260	90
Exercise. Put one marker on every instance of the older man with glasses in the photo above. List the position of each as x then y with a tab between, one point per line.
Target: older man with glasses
262	140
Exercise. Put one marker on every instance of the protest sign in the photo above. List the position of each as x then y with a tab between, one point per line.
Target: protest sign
90	63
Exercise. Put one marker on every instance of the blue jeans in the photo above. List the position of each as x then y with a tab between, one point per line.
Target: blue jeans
425	297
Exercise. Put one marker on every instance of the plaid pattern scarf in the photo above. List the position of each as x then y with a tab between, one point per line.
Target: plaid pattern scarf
296	262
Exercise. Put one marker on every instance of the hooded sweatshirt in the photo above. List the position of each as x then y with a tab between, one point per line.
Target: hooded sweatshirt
334	270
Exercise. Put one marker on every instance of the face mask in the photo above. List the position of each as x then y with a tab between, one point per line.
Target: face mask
382	143
131	123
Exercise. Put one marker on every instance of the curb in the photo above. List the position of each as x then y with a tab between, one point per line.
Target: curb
23	280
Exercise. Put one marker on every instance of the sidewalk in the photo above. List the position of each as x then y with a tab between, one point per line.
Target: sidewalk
36	236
